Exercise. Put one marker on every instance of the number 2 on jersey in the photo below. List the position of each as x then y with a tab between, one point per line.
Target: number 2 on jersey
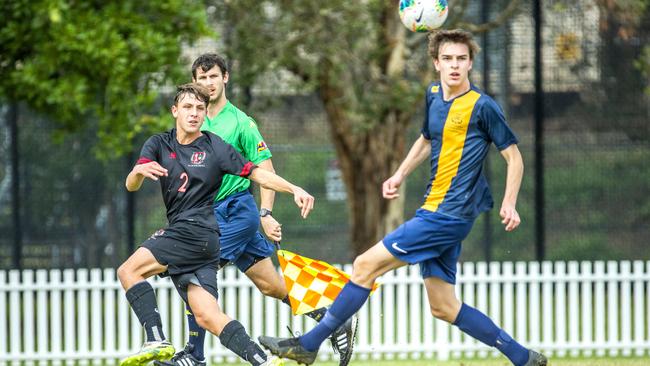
185	179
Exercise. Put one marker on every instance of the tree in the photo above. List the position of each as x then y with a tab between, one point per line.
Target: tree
94	70
623	27
353	55
77	60
643	64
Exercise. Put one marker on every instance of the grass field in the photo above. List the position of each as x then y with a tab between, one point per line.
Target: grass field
498	362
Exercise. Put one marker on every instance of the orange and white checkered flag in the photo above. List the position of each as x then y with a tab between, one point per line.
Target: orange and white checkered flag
312	284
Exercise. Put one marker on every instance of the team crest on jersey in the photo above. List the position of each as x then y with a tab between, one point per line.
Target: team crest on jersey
456	122
261	146
197	158
435	88
158	233
457	119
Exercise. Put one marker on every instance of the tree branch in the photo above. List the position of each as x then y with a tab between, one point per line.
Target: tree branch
457	14
512	7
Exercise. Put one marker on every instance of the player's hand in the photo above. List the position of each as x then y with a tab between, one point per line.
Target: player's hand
510	216
272	228
151	170
391	186
304	200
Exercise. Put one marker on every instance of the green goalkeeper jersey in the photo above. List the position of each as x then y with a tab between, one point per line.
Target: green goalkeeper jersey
239	130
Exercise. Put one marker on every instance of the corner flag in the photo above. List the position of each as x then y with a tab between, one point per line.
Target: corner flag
312	284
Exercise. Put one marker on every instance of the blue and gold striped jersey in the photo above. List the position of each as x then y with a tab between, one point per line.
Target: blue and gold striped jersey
460	131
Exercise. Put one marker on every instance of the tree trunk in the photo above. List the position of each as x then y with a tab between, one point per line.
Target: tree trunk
369	156
367	159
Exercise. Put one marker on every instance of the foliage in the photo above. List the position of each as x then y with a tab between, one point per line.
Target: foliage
643	64
77	60
624	26
297	36
596	204
369	75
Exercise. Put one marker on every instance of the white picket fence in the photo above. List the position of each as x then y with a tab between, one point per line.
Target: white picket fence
560	308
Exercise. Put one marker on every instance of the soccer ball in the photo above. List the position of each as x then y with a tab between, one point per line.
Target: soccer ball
423	15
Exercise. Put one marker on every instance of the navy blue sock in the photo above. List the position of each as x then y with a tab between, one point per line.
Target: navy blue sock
479	326
349	301
197	335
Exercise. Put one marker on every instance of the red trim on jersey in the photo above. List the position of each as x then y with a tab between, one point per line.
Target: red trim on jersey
246	170
143	161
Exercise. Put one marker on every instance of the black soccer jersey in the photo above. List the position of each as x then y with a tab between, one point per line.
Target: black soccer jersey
194	173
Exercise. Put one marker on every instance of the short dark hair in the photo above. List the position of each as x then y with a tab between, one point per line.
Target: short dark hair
437	38
197	90
207	61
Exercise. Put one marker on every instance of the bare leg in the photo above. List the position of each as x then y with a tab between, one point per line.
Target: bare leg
138	267
373	263
442	299
142	298
206	310
267	279
444	305
231	333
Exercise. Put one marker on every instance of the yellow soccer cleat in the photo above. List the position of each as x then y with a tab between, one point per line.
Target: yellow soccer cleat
273	361
150	351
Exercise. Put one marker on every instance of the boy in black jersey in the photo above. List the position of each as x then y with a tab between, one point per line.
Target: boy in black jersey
190	165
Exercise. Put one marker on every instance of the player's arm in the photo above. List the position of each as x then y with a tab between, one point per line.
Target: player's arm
267	196
276	183
255	149
151	170
515	172
271	227
419	152
146	166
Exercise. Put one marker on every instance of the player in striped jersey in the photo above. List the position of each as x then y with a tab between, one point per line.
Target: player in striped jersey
460	124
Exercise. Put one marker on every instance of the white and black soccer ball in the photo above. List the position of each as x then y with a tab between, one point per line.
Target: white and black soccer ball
423	15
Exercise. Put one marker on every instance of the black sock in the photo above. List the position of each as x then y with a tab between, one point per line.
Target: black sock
317	314
234	337
143	302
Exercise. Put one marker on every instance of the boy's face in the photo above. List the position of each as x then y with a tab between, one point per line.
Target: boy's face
189	113
453	64
212	79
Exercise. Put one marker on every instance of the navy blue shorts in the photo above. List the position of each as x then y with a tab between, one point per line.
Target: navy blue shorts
241	242
431	239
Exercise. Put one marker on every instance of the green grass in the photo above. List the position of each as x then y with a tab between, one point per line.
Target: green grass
495	362
622	361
